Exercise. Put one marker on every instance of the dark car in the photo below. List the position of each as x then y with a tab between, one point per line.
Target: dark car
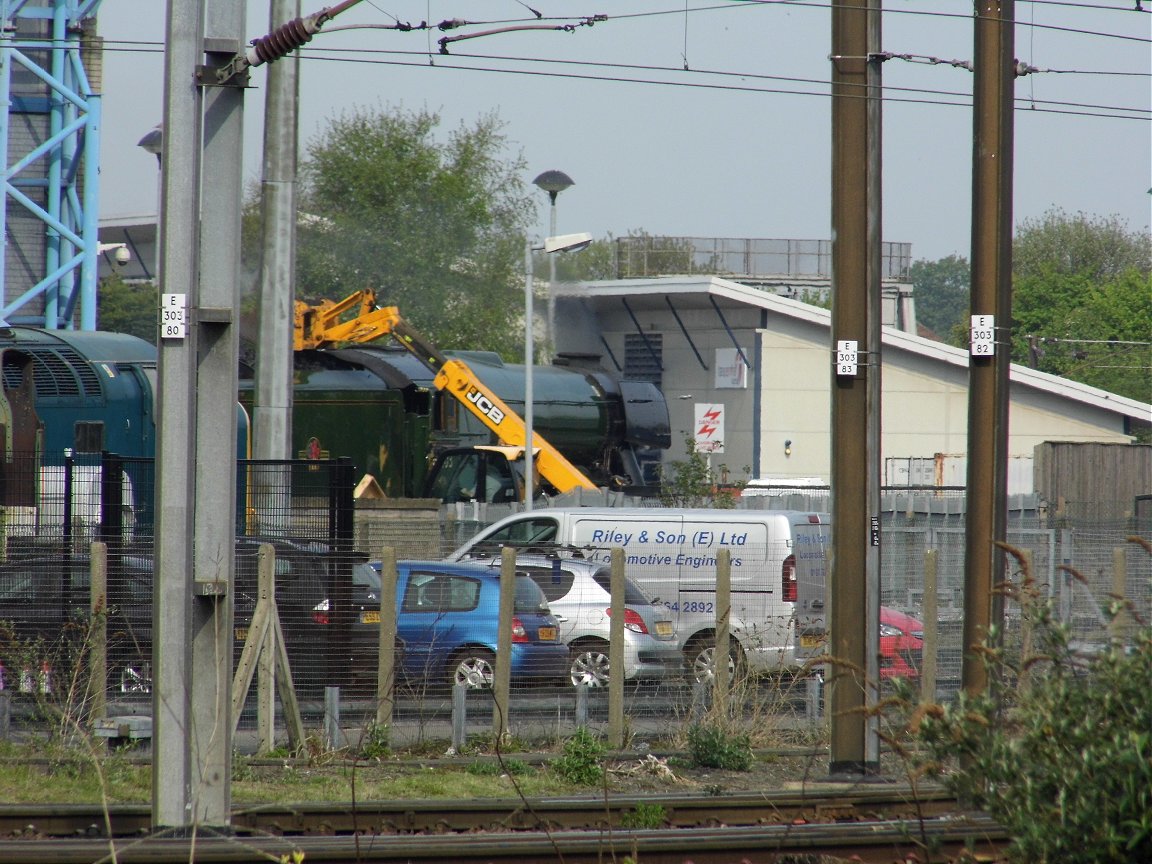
46	622
46	626
447	627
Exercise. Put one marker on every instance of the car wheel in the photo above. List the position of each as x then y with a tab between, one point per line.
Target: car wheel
473	668
589	665
701	658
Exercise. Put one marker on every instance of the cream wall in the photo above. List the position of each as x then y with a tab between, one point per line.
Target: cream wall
925	387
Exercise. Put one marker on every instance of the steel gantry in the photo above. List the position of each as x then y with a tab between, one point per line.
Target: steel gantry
50	147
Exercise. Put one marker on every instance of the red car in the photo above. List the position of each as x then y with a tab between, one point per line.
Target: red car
901	645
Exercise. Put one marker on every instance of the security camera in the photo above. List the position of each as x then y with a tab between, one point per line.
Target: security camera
120	253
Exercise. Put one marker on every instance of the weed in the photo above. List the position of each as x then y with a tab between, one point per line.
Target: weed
488	768
581	760
711	746
241	768
1063	759
645	816
376	743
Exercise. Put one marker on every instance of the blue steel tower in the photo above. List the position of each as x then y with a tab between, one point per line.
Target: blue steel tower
50	147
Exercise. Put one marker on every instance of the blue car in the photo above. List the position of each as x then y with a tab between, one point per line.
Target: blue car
447	625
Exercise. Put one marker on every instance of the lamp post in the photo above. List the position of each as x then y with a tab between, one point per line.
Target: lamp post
553	182
563	243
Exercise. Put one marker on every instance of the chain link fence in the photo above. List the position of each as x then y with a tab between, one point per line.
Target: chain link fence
67	657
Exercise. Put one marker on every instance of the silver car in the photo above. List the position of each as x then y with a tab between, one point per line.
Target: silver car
579	595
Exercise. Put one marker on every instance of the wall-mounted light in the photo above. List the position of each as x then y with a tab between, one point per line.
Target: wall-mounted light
787	446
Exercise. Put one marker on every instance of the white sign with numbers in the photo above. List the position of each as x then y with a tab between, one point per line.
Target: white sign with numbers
982	342
847	357
173	317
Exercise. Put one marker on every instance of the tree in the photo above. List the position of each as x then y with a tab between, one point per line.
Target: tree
127	307
1099	248
435	227
1080	301
942	293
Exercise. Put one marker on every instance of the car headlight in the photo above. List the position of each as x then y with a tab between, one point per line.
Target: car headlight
889	630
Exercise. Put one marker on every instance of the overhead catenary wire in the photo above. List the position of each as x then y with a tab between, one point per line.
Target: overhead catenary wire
951	98
890	93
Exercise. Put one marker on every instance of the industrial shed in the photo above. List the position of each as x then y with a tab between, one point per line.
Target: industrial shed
761	367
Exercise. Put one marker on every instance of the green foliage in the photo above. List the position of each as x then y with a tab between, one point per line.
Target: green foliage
1080	301
493	768
1066	764
580	763
1099	248
645	816
128	307
942	289
434	224
712	746
376	743
691	482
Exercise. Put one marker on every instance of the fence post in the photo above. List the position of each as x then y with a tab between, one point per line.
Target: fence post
502	674
386	675
459	718
266	665
929	612
98	636
720	670
1118	626
616	652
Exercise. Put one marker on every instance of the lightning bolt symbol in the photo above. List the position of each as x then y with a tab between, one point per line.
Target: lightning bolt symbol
712	415
706	429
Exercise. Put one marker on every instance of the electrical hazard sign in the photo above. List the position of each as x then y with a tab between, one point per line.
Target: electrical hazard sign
709	435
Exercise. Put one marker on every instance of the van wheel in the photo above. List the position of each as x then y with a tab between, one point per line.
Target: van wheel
473	668
701	658
589	665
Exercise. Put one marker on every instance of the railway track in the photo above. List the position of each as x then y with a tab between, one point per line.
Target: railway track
501	814
880	825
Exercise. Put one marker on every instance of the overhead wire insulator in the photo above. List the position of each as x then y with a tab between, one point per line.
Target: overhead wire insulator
283	40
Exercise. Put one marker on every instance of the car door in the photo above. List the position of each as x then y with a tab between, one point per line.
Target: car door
437	614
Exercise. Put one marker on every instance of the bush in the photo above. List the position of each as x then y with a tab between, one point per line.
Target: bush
711	746
1066	765
581	760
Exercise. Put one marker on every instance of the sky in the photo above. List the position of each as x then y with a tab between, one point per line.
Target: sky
701	118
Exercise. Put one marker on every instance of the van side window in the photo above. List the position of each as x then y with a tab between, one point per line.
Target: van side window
525	532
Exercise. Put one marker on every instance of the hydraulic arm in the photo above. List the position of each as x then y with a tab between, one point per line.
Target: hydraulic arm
326	325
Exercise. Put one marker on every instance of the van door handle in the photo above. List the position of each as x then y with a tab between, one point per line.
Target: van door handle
817	604
560	618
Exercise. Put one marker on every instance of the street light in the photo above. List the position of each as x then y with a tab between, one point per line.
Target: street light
153	142
563	243
553	182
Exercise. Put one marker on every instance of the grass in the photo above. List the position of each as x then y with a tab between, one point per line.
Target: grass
50	773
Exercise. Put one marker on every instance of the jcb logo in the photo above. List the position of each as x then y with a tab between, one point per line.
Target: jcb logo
487	406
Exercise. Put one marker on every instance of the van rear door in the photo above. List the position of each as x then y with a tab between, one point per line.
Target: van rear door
809	569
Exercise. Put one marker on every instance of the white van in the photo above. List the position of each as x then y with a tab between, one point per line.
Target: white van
671	554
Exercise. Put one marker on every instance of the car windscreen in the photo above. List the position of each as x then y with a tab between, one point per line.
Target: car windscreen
633	596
